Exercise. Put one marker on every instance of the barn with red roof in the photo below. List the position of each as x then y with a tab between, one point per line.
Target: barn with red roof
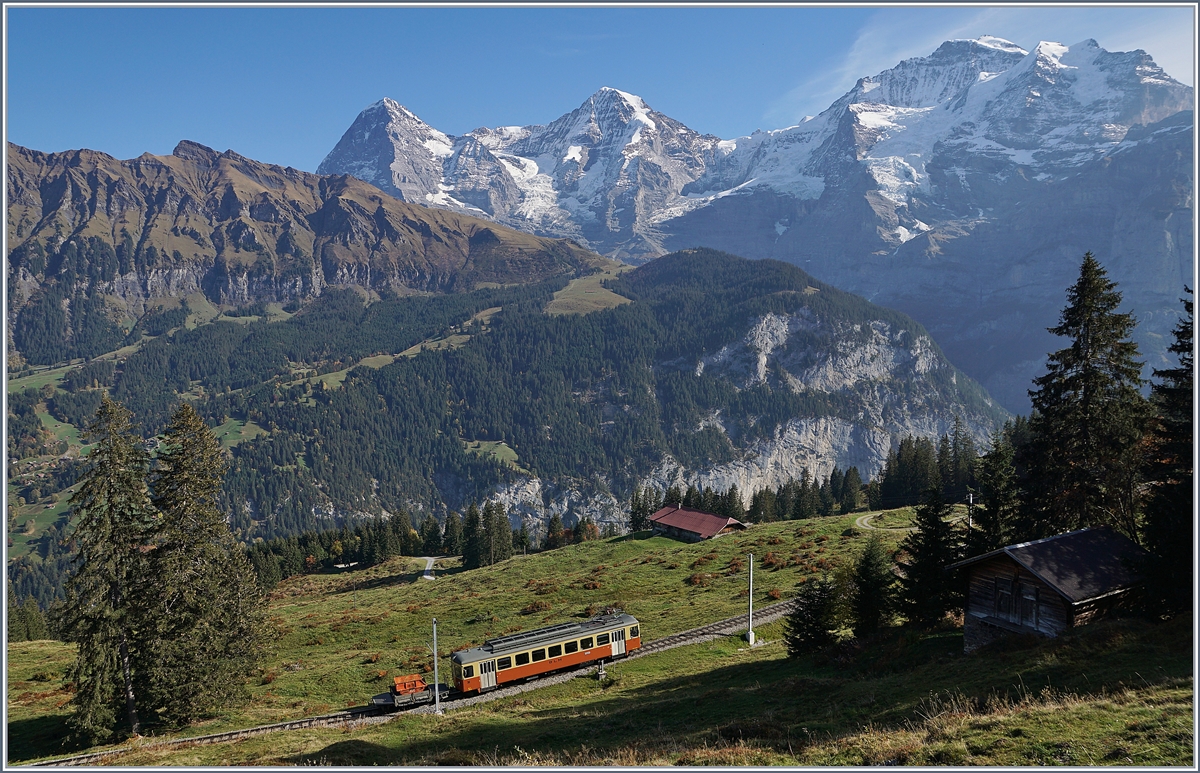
684	523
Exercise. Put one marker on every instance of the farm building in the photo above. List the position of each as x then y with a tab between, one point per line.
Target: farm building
684	523
1046	586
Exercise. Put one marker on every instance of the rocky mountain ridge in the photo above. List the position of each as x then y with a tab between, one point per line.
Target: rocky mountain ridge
239	231
945	178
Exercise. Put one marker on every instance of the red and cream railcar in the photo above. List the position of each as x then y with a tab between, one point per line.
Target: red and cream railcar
533	653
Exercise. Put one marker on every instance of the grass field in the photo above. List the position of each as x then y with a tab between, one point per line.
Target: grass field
1115	693
496	449
587	294
235	431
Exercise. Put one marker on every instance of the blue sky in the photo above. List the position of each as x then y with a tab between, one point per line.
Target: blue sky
281	85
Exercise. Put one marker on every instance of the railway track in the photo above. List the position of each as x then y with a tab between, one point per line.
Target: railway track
365	715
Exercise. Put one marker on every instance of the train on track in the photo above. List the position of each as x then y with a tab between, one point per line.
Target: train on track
519	657
543	650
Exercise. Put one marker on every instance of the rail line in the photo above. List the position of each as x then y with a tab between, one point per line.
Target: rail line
365	715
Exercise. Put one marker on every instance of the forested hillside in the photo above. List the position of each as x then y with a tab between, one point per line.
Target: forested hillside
426	403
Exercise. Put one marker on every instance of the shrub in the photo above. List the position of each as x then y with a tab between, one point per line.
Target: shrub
536	606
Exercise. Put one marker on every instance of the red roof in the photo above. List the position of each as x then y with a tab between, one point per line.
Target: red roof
696	521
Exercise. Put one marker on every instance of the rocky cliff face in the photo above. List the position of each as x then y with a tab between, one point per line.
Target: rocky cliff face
962	187
886	376
241	232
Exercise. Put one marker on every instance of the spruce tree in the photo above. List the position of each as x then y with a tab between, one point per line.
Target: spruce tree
105	609
871	601
851	486
17	630
554	532
472	538
732	506
995	520
500	542
925	591
431	536
33	621
809	626
1169	512
452	538
1088	417
207	614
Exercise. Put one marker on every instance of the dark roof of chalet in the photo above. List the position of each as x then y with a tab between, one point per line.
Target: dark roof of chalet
696	521
1079	565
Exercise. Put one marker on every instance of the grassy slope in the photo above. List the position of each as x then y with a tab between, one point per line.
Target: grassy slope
717	703
587	293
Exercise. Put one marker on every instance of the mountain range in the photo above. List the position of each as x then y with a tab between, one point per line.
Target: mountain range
962	188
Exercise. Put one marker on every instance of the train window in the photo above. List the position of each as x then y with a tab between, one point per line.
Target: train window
601	639
539	655
572	646
468	672
504	663
633	632
585	644
522	658
555	651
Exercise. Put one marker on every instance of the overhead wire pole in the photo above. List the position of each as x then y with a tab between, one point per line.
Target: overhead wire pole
750	612
437	684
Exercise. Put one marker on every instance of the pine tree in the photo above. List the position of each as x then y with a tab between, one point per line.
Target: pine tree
17	630
851	486
431	537
208	618
452	539
965	460
871	591
521	543
836	479
104	609
499	534
33	621
1088	417
925	591
732	506
472	538
995	522
1168	530
809	626
554	530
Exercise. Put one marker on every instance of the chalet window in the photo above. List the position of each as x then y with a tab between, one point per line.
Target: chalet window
555	651
504	663
602	639
1029	605
468	672
539	655
585	644
572	646
1003	599
523	659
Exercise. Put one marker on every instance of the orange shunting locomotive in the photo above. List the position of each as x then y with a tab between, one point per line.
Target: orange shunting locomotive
540	651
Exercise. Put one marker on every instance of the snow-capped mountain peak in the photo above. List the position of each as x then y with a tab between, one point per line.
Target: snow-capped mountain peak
614	172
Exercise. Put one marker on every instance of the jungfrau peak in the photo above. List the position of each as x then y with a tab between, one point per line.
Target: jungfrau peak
960	187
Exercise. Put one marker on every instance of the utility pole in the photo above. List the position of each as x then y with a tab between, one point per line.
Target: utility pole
750	612
437	685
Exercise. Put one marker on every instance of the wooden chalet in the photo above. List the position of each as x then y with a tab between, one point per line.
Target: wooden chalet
684	523
1047	586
